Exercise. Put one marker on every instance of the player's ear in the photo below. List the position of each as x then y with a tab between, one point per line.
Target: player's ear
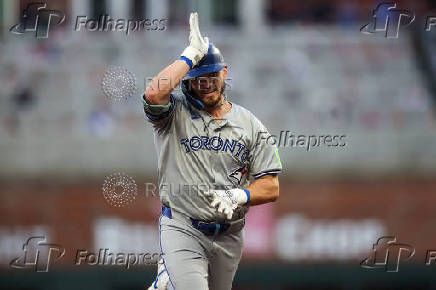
225	71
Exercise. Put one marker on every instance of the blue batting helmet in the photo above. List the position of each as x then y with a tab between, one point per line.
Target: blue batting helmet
213	61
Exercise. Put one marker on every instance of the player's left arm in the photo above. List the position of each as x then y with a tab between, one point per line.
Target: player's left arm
264	189
265	165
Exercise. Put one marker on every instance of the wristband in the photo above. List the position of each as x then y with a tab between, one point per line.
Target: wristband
247	192
187	60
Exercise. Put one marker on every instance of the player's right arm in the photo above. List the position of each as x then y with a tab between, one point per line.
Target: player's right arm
158	91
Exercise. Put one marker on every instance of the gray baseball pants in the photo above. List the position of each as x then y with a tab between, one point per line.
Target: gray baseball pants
196	261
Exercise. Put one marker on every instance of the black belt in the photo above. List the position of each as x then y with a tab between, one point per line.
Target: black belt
209	229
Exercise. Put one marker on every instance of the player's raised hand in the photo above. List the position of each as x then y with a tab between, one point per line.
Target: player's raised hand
198	45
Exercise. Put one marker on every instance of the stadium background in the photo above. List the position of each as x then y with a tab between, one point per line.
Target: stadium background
301	66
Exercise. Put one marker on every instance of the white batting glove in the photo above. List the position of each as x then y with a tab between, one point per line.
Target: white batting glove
226	201
162	279
198	45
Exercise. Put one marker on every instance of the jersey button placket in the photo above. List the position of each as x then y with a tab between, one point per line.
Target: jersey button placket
208	130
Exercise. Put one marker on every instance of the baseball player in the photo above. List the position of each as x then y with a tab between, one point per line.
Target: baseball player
210	168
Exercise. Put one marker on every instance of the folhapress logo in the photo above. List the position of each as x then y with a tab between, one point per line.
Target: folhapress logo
38	255
37	19
387	254
389	20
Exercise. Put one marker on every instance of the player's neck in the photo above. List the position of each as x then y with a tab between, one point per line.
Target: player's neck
220	110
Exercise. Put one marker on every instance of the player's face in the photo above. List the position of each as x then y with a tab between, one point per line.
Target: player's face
210	87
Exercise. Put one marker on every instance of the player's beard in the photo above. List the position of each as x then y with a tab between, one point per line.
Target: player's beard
216	100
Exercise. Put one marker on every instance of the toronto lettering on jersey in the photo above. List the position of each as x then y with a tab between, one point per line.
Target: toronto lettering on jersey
216	143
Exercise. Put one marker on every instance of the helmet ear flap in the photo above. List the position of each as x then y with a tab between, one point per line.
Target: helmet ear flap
190	95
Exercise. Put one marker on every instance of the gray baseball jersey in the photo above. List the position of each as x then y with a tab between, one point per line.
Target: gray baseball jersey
196	153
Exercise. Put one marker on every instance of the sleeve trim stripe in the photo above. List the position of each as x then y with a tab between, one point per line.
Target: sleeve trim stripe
267	172
271	170
162	116
159	117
